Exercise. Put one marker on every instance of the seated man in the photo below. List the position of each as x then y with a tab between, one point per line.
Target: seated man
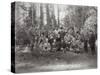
63	45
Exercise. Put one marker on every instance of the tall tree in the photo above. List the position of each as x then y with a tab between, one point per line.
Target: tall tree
48	15
58	15
54	22
34	21
41	16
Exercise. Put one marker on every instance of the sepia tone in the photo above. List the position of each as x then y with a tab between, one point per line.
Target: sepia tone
53	37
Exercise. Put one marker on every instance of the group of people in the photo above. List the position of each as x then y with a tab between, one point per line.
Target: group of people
57	40
91	43
60	40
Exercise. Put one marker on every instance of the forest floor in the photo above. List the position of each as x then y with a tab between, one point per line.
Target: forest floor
53	61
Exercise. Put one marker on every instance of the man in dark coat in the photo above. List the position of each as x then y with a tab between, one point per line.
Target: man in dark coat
92	40
86	45
50	40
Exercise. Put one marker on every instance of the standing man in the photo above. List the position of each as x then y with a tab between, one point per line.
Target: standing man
92	40
50	40
58	43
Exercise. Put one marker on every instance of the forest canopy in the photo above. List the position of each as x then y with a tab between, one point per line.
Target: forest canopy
34	19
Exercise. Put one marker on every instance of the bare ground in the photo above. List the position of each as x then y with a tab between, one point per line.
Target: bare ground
30	62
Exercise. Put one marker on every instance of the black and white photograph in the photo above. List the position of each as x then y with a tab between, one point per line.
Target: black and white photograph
53	37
